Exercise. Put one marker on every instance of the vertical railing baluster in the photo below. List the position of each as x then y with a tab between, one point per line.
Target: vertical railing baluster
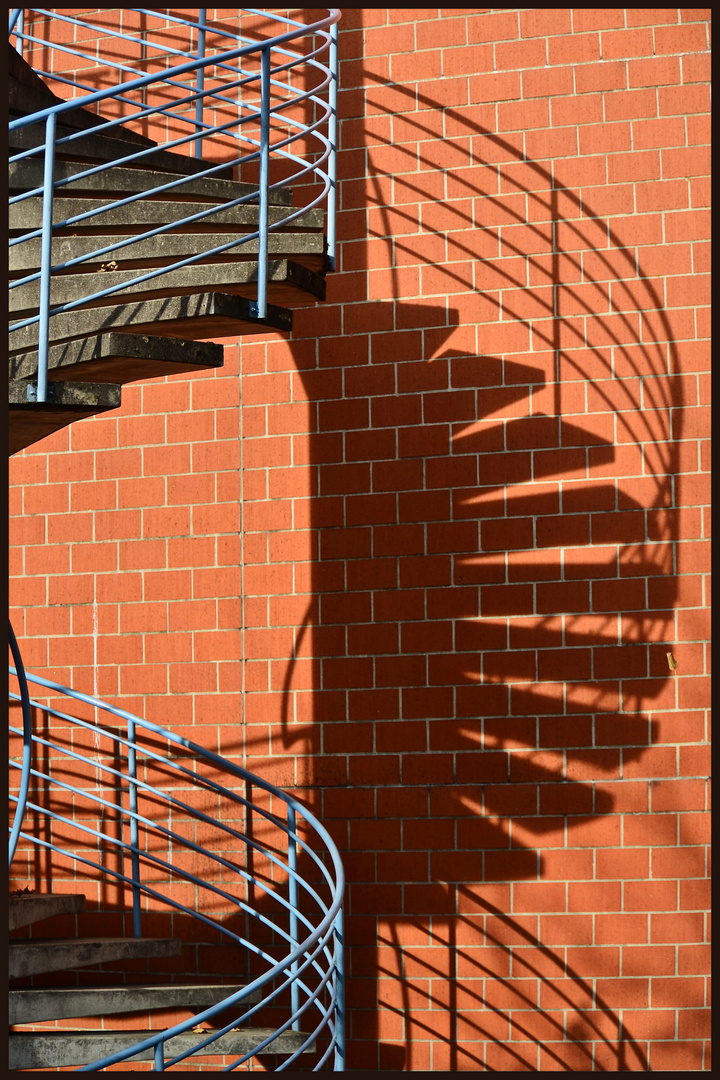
199	104
264	181
339	993
46	259
293	899
332	138
160	1057
134	832
27	746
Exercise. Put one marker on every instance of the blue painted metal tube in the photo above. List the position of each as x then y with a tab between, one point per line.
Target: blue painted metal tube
173	801
320	946
166	76
134	836
264	180
332	139
202	22
178	804
27	747
340	992
167	833
293	899
46	258
210	756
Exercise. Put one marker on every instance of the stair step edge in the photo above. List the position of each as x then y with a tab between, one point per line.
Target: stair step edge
78	1046
37	1004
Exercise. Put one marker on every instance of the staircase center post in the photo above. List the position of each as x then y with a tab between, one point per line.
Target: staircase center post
202	23
46	258
264	174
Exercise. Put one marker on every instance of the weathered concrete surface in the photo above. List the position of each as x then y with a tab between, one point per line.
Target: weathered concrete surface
38	955
32	1004
31	421
120	359
68	1048
33	907
171	247
104	146
26	175
195	318
297	283
148	213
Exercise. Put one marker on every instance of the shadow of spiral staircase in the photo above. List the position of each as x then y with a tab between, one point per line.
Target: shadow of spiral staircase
128	255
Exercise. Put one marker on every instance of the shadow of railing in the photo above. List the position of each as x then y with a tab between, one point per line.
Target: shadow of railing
519	635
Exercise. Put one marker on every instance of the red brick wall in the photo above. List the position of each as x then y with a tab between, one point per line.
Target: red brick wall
435	582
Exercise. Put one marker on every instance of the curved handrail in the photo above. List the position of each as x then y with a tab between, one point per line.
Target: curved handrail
311	967
304	144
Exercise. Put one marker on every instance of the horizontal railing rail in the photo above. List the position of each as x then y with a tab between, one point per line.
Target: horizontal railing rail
255	119
299	909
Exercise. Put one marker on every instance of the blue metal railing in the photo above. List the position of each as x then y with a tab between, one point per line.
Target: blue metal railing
258	859
227	100
272	133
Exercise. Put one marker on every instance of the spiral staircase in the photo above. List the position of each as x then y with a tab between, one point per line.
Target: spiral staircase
189	912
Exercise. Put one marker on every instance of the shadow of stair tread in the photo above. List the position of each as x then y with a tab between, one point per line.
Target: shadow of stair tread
288	283
33	907
29	1004
35	956
307	248
69	1047
120	358
27	174
150	212
194	318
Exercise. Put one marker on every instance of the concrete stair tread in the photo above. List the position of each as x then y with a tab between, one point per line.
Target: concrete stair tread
308	248
96	145
55	1049
35	956
29	908
150	212
289	283
27	174
120	358
194	318
31	421
31	1004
